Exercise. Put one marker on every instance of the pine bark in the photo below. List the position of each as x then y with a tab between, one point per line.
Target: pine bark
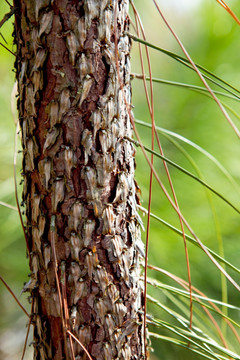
79	190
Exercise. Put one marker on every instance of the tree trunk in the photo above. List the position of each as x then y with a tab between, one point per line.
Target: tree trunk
82	225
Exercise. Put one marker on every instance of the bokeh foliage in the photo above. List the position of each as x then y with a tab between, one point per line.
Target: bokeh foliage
212	38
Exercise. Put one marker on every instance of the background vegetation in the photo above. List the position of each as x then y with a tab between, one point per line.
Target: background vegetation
212	38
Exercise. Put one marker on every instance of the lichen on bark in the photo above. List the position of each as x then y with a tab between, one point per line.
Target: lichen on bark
78	168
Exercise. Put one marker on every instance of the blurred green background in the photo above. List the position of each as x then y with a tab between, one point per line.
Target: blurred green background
212	38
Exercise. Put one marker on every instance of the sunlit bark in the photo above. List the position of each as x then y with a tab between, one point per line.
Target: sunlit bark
78	170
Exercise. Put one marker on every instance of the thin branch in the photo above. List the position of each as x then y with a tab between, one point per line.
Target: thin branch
175	207
227	8
236	130
65	304
15	186
7	16
137	143
27	334
3	38
184	284
8	49
79	342
197	147
14	296
154	131
52	239
200	89
187	63
190	239
8	3
151	112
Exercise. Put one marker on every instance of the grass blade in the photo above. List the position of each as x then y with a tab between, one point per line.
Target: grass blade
195	146
199	89
186	63
186	172
184	293
184	345
191	239
196	340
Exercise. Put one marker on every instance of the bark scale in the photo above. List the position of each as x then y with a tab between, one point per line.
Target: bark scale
79	189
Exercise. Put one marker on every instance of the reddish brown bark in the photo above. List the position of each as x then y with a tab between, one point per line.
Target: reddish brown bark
78	170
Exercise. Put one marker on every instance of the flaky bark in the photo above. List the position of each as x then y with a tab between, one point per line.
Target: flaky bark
78	169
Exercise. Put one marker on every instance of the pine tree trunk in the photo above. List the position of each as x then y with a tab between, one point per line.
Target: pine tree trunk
82	225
